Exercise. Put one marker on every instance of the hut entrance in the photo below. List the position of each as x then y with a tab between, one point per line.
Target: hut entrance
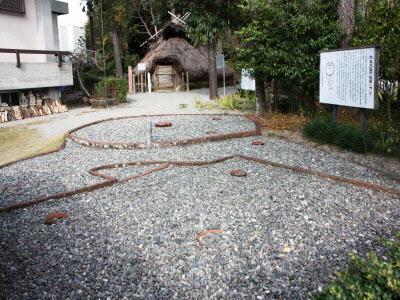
165	77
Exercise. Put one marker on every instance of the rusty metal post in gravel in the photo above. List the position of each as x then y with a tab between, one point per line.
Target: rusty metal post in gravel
149	136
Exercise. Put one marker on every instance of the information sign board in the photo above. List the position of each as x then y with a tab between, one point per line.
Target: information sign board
141	67
350	77
220	61
247	83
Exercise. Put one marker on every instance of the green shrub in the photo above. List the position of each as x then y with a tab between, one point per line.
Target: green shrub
90	81
345	137
246	94
322	130
354	139
387	138
114	88
368	278
231	102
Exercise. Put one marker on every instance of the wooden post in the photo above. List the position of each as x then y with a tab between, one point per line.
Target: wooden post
336	114
141	83
134	83
130	79
145	81
187	81
363	119
223	70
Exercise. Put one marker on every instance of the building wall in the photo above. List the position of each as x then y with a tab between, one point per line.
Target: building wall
69	37
36	30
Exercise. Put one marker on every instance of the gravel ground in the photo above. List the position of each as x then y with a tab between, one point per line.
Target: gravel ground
287	234
137	105
284	233
133	130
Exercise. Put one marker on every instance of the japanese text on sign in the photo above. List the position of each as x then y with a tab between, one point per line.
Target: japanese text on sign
348	77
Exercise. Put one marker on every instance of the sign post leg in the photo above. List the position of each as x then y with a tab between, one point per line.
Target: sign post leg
363	119
224	79
336	114
187	81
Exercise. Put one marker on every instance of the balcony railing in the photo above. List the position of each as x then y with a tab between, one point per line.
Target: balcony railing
13	6
18	52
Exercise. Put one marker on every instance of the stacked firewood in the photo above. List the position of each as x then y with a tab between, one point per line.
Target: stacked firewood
17	113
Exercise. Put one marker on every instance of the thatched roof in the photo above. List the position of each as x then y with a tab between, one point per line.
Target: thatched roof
178	51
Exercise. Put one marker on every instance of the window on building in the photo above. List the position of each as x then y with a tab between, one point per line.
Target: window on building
10	98
13	6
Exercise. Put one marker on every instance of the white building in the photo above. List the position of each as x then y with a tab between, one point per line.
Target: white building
70	36
31	25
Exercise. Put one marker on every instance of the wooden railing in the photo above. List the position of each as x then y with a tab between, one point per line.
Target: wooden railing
26	51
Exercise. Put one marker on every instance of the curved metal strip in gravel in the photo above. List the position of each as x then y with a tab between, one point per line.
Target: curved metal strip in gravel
110	180
185	130
138	239
67	170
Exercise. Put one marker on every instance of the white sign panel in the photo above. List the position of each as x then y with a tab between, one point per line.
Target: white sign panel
349	77
220	61
247	83
141	67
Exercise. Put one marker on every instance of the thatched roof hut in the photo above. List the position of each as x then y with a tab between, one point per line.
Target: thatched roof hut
171	55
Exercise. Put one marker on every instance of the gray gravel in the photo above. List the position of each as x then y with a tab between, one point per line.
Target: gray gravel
133	130
68	169
287	232
137	105
284	233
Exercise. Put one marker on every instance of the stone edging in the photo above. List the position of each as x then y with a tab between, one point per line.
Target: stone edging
142	145
110	180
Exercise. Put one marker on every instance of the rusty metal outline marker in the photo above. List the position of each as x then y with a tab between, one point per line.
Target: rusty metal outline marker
16	186
216	118
201	234
258	143
238	173
163	124
55	218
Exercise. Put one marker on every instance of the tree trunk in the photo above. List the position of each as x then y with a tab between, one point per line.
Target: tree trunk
345	9
83	89
117	52
391	92
275	92
261	105
212	70
90	14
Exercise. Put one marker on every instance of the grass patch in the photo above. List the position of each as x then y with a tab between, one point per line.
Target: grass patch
322	130
16	142
36	123
183	106
86	112
203	105
228	102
